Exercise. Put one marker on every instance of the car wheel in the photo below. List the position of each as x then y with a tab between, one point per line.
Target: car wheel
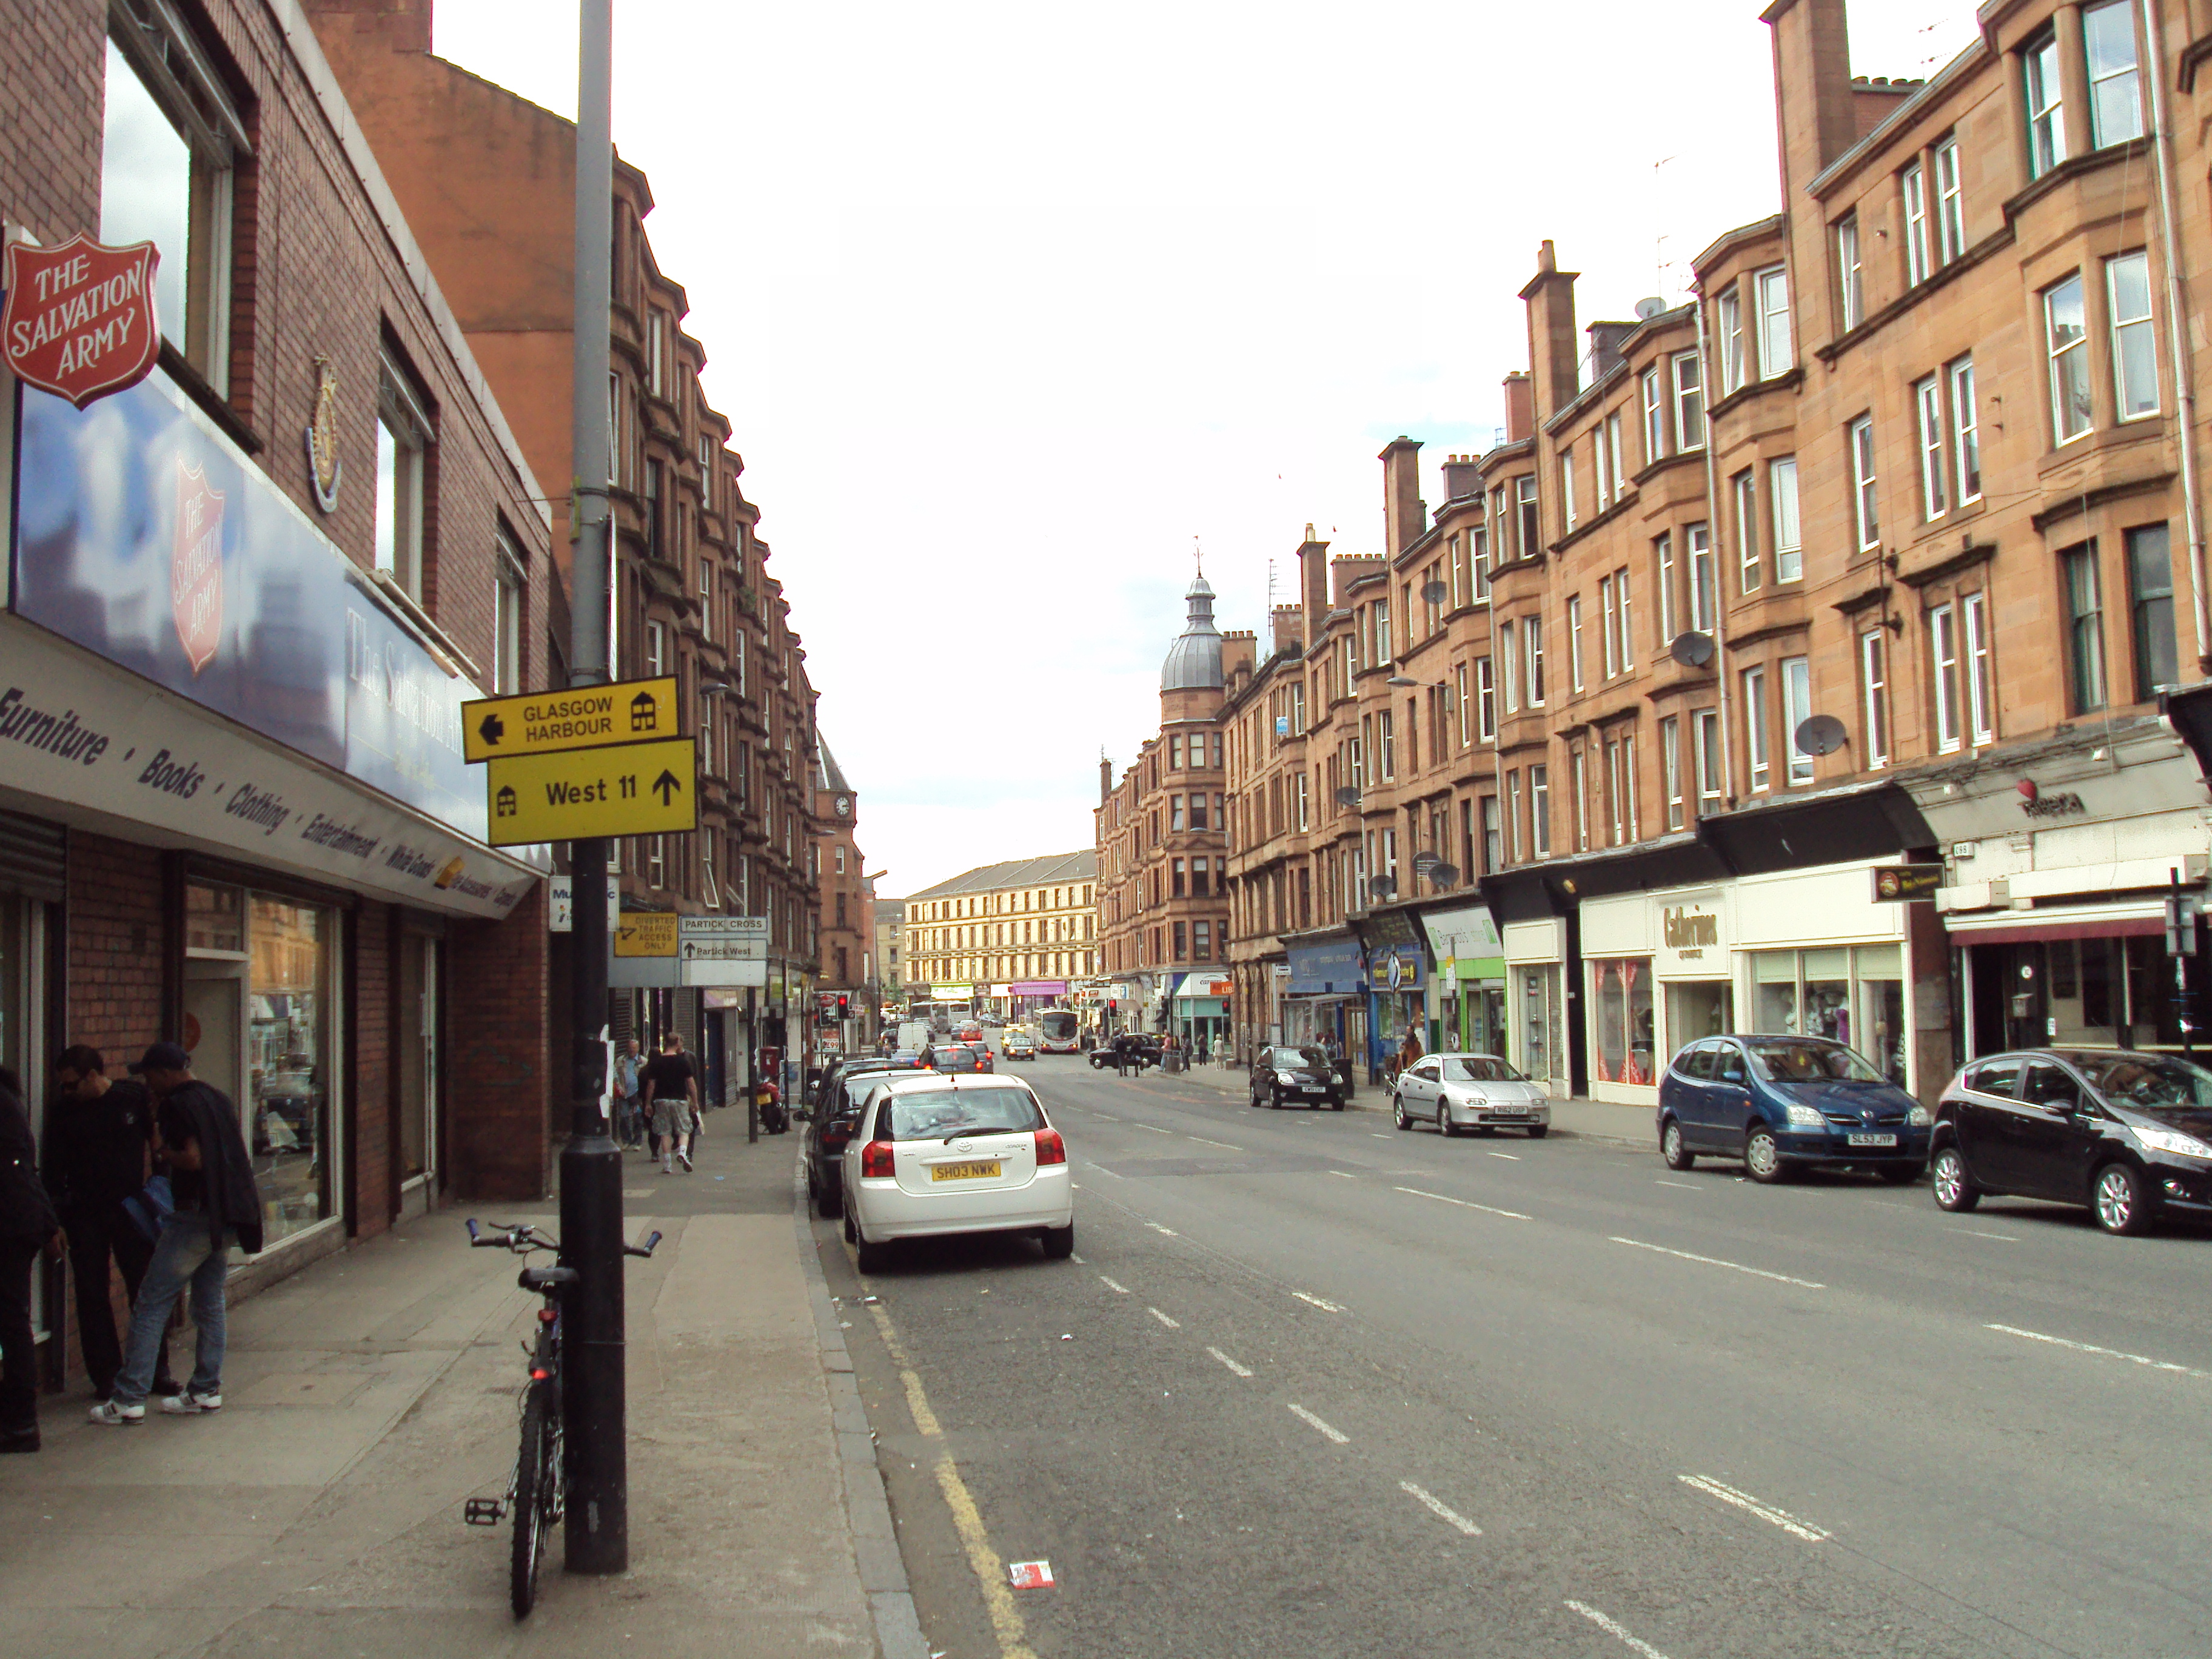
872	1258
1336	1103
1444	1125
1762	1159
1538	1131
2122	1205
1398	1111
1059	1242
1901	1174
1274	1097
1954	1184
1674	1149
852	1235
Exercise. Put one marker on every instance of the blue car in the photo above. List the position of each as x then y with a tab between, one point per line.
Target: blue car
1781	1104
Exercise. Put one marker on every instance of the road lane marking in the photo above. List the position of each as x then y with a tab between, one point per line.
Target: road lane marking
1336	1435
1467	1204
1109	1116
1442	1510
1346	1174
2108	1354
1154	1127
1975	1232
1172	1324
1614	1627
1223	1144
1157	1228
1377	1134
1750	1505
1118	1289
1240	1371
1684	1186
1715	1262
1511	1158
1322	1303
1100	1168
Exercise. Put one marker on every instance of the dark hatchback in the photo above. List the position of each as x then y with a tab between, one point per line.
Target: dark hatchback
2126	1134
1288	1074
836	1113
1782	1103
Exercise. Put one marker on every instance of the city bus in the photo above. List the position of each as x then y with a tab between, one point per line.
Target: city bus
1056	1031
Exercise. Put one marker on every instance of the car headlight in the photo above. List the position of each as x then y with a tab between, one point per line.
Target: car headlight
2175	1141
1919	1117
1474	1100
1801	1116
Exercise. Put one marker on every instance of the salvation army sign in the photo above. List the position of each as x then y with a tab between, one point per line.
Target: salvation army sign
79	319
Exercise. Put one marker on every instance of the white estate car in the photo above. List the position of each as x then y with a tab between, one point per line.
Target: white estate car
1479	1092
966	1153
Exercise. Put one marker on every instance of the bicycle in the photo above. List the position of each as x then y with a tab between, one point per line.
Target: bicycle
537	1490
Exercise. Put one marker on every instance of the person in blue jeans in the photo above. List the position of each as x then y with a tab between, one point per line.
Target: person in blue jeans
196	1133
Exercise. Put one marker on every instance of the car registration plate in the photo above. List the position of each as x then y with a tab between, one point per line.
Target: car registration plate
1873	1141
977	1171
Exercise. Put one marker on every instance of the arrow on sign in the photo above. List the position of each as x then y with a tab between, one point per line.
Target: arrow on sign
493	729
667	786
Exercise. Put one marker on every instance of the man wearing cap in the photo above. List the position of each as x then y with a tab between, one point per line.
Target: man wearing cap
217	1205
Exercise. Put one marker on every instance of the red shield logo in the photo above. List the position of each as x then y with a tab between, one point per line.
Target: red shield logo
195	567
79	319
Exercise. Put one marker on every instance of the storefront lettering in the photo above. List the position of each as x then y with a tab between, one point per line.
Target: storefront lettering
171	778
2053	806
258	806
409	862
338	837
1688	932
58	735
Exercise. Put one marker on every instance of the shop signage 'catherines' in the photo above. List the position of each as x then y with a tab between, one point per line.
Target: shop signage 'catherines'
79	318
637	789
582	717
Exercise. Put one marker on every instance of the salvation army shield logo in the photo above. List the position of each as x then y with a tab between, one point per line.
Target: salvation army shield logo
79	318
195	567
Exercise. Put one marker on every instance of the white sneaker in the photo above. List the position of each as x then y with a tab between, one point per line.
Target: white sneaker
113	1414
191	1405
685	1158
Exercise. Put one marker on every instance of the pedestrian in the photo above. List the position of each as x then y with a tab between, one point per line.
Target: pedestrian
217	1205
626	1081
1122	1042
672	1081
97	1140
1409	1051
27	1225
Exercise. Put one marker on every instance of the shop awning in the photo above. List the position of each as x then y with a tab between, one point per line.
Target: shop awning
2132	919
1840	826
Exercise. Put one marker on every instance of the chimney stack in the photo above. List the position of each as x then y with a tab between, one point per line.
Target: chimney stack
1552	348
1815	110
1105	781
1520	407
1405	515
1462	477
1313	581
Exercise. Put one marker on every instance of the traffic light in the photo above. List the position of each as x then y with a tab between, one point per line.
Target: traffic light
844	1006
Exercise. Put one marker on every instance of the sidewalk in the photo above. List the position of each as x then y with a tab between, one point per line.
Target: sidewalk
1579	1118
368	1396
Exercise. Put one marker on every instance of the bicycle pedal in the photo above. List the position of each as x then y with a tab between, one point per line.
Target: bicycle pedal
484	1512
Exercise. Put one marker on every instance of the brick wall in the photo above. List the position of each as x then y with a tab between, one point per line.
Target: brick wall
495	1046
50	55
373	1200
114	950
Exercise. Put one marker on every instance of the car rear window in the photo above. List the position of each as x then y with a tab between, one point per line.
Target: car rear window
951	1057
934	1113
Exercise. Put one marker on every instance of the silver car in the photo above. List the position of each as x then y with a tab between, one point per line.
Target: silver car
1475	1091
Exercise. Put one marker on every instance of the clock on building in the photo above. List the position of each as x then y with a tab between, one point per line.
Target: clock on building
844	806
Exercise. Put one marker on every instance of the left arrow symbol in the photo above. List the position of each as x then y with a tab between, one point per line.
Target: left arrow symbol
492	730
667	786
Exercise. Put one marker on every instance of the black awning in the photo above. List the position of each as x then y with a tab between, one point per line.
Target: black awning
2189	711
1840	827
1555	888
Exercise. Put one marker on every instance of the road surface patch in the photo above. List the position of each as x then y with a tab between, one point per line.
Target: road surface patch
1223	1144
1442	1510
2108	1354
1335	1435
1466	1204
1750	1505
1614	1627
1715	1262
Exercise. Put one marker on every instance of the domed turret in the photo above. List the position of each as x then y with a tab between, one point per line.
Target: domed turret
1194	661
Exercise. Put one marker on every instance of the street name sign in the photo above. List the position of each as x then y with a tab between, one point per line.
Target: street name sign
582	717
636	789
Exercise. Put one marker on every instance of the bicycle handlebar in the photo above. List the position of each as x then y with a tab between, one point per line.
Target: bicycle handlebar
521	1237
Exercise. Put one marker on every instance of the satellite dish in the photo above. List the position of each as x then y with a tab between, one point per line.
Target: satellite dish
1823	734
1692	649
1445	875
1381	886
1347	796
1646	309
1434	592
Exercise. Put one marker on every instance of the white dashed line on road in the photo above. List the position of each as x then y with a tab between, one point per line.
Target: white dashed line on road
1684	1186
1750	1505
1442	1510
1976	1233
1240	1371
1114	1285
1154	1127
1223	1144
1467	1204
1336	1435
1614	1627
2107	1354
1157	1228
1172	1324
1377	1134
1511	1158
1325	1305
1345	1174
1715	1262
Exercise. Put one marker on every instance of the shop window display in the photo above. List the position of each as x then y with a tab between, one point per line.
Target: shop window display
1851	995
1698	1008
1623	989
287	1108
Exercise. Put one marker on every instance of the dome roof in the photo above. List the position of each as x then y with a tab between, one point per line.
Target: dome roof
1193	662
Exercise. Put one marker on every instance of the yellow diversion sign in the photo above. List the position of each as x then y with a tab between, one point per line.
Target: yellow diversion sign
637	789
645	933
583	717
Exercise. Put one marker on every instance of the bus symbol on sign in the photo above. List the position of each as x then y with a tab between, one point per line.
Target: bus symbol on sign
644	712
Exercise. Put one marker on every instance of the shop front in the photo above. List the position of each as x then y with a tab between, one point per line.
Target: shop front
1202	1002
1820	954
1026	997
1397	986
1621	995
1537	1008
1326	997
1469	988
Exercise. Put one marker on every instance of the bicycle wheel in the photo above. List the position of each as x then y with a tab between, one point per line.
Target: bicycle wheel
536	1473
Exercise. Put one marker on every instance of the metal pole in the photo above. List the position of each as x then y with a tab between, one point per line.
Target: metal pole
594	1406
752	1065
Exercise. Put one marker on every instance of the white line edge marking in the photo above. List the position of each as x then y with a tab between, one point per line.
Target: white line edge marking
1346	1174
1684	1186
1172	1324
1377	1134
1336	1435
1325	1305
1223	1144
1614	1627
1750	1505
1715	1262
1240	1371
2108	1354
2002	1238
1511	1158
1154	1127
1466	1204
1157	1228
1117	1288
1442	1510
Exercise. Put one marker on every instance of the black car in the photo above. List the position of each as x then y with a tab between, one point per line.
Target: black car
1145	1051
1285	1074
2126	1134
836	1114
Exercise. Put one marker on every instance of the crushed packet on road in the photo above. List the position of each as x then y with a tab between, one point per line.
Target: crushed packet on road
1029	1575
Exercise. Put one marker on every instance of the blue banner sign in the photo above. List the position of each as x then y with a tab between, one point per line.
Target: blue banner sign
1333	967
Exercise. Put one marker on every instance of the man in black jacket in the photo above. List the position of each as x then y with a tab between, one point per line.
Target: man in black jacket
217	1205
95	1158
27	1225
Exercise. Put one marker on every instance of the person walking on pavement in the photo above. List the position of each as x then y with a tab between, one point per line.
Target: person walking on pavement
217	1205
27	1225
97	1139
1409	1052
672	1082
626	1084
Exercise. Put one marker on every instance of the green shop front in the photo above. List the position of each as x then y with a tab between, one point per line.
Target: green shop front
1466	1005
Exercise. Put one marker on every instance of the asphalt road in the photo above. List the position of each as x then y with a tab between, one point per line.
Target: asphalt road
1316	1387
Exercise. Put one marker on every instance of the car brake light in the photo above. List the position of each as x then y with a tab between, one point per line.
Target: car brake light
876	1158
1050	1148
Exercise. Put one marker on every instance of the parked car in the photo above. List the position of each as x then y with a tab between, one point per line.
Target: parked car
1782	1103
1287	1073
2127	1134
1478	1091
1018	1045
834	1117
949	1155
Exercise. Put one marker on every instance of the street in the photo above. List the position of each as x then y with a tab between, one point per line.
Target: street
1315	1386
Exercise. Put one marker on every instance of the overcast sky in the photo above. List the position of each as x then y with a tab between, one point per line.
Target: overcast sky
1010	302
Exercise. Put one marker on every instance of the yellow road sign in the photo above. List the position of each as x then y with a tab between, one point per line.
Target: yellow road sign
632	789
648	934
583	717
